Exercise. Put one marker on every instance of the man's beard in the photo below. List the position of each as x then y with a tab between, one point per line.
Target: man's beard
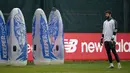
108	17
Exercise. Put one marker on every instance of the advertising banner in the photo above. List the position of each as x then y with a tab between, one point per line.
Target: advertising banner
86	46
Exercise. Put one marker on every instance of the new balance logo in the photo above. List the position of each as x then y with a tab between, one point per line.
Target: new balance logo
70	45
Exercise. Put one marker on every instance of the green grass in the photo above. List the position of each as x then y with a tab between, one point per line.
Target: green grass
69	67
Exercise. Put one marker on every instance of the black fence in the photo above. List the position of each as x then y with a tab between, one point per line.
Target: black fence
78	15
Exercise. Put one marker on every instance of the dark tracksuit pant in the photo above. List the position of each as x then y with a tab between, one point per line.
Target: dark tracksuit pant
111	47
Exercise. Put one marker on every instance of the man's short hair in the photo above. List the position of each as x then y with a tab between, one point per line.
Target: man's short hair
108	11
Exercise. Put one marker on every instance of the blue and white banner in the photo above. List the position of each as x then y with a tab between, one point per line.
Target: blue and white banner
41	42
56	35
16	31
3	39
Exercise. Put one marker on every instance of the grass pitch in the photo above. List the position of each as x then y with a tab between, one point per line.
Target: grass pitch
69	67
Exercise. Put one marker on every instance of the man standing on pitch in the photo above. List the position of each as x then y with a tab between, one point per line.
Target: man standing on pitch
109	36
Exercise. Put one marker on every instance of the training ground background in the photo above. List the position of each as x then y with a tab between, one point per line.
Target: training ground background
69	67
